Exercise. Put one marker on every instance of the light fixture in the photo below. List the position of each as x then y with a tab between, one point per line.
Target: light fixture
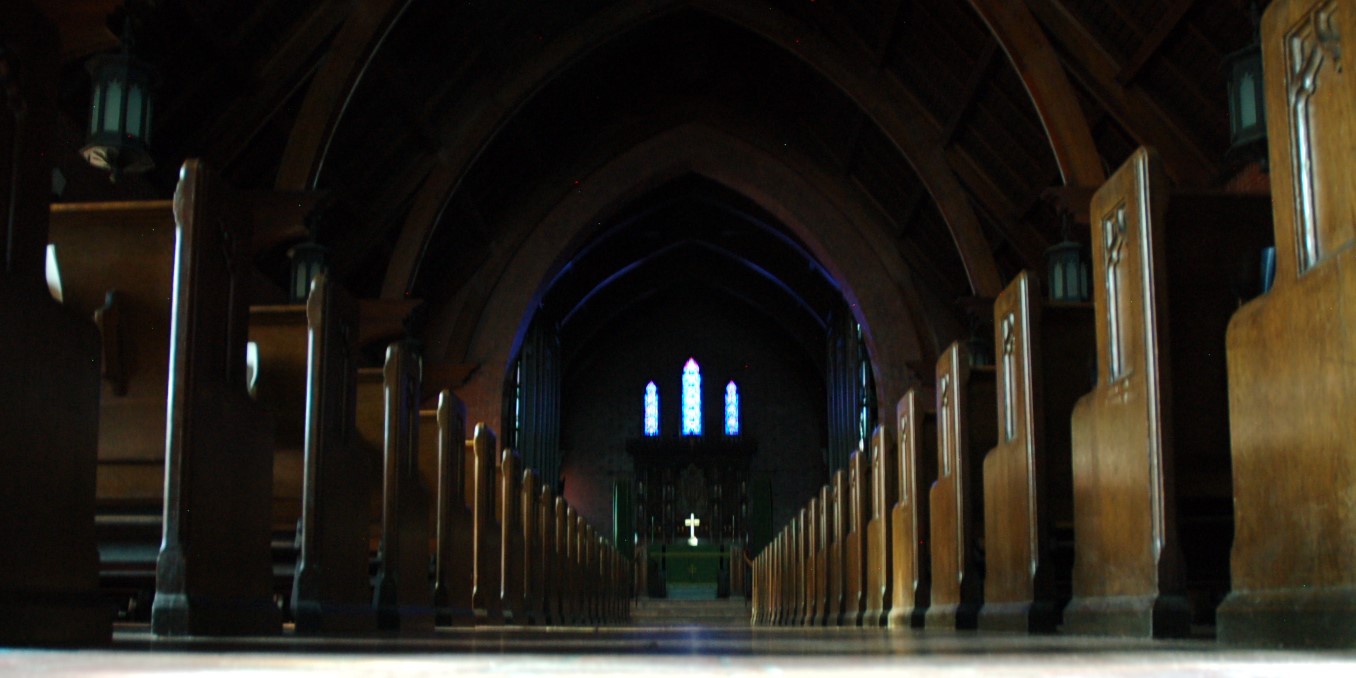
1247	100
1066	269
120	111
308	261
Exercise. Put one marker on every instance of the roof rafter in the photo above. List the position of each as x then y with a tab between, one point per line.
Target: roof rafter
1091	64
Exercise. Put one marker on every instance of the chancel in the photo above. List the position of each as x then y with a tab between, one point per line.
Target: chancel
977	330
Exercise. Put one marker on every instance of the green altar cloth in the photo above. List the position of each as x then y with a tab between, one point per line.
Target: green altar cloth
698	564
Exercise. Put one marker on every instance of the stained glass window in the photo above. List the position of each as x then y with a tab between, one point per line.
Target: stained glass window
731	409
692	398
651	409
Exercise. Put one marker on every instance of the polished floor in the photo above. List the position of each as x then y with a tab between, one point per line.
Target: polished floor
670	650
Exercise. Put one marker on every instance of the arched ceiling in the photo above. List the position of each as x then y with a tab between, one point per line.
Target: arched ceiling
891	152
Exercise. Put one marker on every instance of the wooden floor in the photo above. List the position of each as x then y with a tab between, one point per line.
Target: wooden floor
671	650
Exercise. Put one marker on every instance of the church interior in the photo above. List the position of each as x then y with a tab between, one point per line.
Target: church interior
709	336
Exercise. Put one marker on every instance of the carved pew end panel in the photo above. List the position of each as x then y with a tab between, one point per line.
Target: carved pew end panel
1292	381
910	518
1151	441
1043	347
219	457
966	428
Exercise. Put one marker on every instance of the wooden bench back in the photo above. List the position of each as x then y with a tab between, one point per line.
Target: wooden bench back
965	431
116	264
331	589
219	448
1043	349
911	522
883	497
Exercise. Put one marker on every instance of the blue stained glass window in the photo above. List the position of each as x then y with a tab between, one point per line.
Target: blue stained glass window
692	398
731	409
651	409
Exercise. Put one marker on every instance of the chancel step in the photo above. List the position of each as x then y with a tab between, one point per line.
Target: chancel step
665	612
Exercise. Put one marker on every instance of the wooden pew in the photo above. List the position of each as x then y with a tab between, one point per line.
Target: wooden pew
573	593
822	564
331	589
801	568
795	559
966	429
533	575
786	544
562	582
511	566
910	519
48	355
488	535
811	560
879	572
219	457
1043	349
1150	442
279	334
402	593
1292	383
547	564
116	262
595	569
580	570
838	527
598	573
454	519
854	550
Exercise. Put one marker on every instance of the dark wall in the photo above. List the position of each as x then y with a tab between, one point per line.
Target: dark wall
782	395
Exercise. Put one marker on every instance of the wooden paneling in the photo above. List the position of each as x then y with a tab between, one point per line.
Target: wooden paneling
1292	384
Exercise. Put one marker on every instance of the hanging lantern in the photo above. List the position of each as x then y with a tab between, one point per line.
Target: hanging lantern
1247	99
308	261
120	112
1066	269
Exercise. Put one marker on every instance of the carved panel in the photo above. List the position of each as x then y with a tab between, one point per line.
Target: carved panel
1313	54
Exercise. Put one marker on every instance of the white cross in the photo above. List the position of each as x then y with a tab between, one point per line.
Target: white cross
692	522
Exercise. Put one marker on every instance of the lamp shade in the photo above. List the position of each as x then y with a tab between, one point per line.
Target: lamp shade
120	114
308	261
1247	100
1067	271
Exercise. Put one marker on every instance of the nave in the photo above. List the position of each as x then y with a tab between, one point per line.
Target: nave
484	418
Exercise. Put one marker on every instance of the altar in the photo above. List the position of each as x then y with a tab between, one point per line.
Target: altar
691	508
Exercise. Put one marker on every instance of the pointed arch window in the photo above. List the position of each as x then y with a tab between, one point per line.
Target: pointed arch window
731	409
692	398
651	410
